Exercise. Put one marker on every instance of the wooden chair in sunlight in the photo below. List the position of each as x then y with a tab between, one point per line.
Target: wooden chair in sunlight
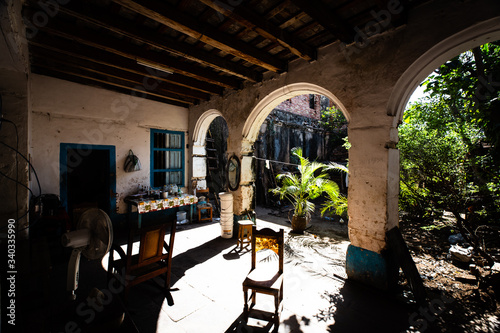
154	258
266	275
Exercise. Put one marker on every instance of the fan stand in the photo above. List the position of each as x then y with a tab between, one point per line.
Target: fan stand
74	272
93	237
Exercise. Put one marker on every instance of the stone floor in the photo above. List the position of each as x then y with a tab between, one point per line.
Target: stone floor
207	276
208	271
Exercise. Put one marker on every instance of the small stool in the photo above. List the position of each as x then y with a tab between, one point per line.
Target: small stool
208	210
244	233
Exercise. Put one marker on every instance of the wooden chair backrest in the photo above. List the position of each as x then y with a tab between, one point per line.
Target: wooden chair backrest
205	193
151	245
268	239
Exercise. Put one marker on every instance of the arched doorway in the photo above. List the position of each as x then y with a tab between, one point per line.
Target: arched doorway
467	39
202	166
268	103
476	35
252	127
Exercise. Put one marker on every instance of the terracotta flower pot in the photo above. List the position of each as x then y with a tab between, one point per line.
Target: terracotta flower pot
299	223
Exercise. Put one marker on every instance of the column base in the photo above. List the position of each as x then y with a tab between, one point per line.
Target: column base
371	268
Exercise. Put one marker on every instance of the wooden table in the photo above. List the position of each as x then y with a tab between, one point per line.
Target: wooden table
147	205
151	259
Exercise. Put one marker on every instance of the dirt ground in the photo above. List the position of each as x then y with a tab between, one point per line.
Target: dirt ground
471	297
459	300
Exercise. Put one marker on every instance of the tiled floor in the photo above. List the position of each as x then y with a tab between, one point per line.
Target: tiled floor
207	275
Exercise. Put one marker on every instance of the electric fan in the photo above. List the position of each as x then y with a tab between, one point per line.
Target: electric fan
93	237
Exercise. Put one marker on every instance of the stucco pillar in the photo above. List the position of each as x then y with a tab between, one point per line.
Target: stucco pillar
242	197
199	169
373	192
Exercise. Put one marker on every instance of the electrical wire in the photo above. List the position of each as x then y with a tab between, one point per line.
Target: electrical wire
16	180
29	164
17	167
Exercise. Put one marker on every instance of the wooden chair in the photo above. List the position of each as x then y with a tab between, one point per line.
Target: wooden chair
154	258
208	209
267	277
208	212
205	193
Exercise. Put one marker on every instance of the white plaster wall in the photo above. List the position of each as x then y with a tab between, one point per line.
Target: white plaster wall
66	112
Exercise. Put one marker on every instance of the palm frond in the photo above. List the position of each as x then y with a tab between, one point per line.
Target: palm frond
311	182
337	167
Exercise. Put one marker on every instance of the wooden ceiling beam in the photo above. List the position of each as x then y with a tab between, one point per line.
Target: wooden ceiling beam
136	53
328	18
277	9
118	83
263	27
67	77
79	51
175	19
96	16
149	84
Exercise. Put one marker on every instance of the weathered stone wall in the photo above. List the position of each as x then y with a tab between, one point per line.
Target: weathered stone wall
281	132
308	105
284	130
361	79
14	91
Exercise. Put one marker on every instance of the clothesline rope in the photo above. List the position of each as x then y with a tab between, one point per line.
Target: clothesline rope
273	161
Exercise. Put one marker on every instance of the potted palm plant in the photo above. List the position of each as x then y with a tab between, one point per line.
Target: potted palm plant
311	182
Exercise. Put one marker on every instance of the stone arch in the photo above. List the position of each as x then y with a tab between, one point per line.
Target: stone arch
273	99
473	36
199	170
478	34
251	130
202	125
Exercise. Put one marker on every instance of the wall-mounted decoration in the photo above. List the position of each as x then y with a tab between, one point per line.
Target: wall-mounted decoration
132	162
233	172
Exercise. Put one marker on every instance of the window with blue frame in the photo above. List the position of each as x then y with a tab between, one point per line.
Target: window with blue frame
167	158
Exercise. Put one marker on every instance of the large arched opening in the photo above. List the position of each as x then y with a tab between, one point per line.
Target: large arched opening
467	39
484	32
476	35
245	193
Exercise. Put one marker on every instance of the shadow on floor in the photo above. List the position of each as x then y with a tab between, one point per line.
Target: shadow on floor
358	308
45	298
252	326
198	255
145	301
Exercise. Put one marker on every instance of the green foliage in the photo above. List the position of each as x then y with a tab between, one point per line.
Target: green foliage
332	118
335	201
334	122
311	182
448	161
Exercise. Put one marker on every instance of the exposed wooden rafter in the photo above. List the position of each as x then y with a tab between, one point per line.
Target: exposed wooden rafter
262	26
184	54
169	16
329	19
92	14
